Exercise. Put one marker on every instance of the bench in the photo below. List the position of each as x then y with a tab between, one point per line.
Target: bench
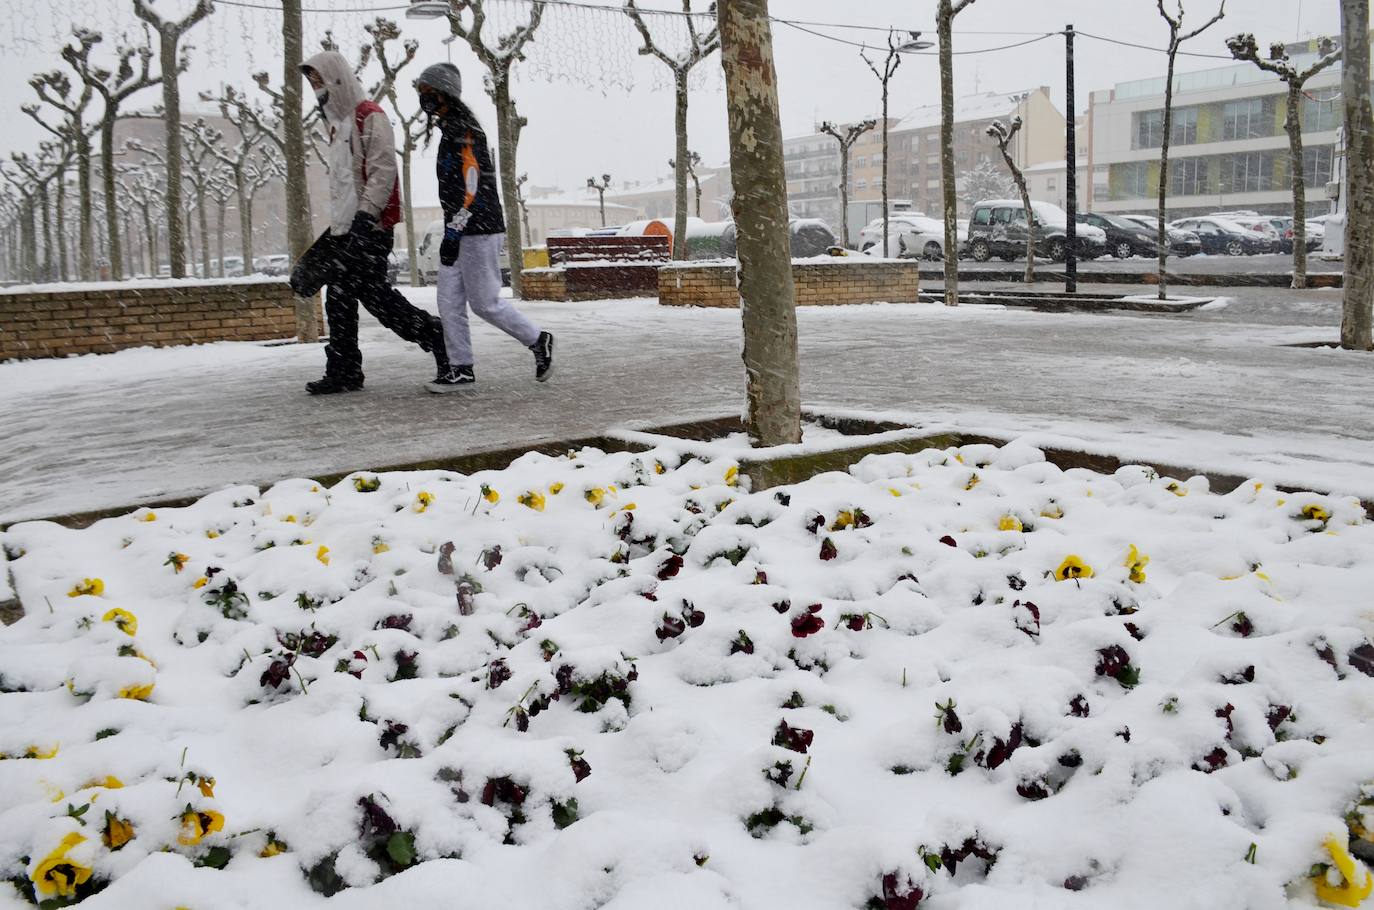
565	250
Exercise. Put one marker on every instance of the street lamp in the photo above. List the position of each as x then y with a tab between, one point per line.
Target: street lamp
914	45
427	9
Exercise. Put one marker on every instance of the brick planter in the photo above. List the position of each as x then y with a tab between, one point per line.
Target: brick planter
819	282
57	320
591	281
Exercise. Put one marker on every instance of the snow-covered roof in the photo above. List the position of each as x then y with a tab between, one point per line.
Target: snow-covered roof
986	106
666	185
1044	166
571	201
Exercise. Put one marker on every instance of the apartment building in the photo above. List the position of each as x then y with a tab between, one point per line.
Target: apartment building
1227	145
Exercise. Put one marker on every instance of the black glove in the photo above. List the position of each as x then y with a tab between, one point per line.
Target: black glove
449	247
363	224
361	236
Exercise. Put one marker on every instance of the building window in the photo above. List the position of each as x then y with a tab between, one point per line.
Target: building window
1247	172
878	160
1050	184
1243	120
1316	165
862	161
1188	177
1132	180
863	183
1321	111
1149	130
1183	128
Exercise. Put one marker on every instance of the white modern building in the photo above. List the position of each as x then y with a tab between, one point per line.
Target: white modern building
1227	149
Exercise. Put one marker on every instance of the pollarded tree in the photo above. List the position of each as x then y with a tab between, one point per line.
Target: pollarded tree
693	162
846	136
114	88
1244	47
1003	136
1176	37
235	158
170	33
201	167
499	57
381	32
700	46
56	90
944	21
885	74
220	188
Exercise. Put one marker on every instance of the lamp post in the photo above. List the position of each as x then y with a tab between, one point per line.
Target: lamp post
1071	170
600	192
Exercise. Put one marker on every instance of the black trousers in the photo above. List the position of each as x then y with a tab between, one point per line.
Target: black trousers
357	275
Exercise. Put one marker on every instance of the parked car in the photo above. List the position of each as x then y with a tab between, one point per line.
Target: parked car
998	228
1125	238
810	237
1222	235
871	234
276	264
1181	242
427	255
923	238
1260	224
233	266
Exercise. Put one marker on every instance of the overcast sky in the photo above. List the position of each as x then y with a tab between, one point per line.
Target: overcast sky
585	122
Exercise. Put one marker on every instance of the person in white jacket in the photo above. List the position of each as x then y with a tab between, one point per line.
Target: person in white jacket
364	207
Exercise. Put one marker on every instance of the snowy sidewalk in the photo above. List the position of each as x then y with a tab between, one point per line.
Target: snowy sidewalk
1216	389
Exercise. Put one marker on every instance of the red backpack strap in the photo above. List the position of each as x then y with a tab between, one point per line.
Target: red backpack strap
391	215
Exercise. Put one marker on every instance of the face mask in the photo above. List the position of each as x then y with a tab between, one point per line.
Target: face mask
321	96
430	103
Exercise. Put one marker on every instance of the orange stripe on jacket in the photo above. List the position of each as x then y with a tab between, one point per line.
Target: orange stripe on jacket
472	172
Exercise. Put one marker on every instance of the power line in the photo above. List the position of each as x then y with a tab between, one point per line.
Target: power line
1039	36
1146	47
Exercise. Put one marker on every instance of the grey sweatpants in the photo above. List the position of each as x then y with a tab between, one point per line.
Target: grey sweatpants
475	281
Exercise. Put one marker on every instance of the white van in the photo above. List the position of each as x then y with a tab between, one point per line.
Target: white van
427	254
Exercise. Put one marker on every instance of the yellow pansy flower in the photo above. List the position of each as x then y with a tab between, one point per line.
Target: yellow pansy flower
117	831
364	484
207	786
195	825
973	481
150	515
1136	561
1356	881
201	582
211	533
379	546
273	848
732	475
1072	567
40	753
594	496
894	491
290	519
109	782
1010	523
843	520
490	495
532	499
1052	511
57	875
322	554
177	561
660	467
1315	512
1177	488
92	586
556	487
125	621
422	501
137	692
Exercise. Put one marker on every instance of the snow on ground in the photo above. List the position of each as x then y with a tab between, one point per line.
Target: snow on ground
110	430
961	678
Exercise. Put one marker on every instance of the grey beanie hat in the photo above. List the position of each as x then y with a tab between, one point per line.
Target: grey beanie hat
442	77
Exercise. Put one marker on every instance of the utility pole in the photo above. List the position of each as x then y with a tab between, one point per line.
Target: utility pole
600	188
1071	160
293	150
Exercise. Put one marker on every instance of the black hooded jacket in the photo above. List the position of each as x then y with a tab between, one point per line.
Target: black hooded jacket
467	179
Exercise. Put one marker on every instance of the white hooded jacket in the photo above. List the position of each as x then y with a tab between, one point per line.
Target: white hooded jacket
362	164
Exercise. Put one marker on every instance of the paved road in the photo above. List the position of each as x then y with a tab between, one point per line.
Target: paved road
1268	264
93	432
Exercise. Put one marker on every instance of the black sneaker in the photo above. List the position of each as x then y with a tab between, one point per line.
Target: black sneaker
543	357
457	379
330	385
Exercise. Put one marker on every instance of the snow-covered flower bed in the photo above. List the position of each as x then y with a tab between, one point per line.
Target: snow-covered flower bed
961	678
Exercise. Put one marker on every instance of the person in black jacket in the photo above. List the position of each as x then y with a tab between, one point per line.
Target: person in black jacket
469	265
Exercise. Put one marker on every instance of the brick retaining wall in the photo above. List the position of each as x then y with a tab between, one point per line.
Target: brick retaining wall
818	283
52	321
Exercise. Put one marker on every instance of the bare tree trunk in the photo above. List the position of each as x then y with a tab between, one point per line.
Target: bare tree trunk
886	211
107	179
944	28
844	195
507	139
171	120
1358	305
219	240
407	151
245	222
680	164
1162	234
47	233
298	227
201	205
1030	220
63	266
1292	122
83	189
151	248
767	301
